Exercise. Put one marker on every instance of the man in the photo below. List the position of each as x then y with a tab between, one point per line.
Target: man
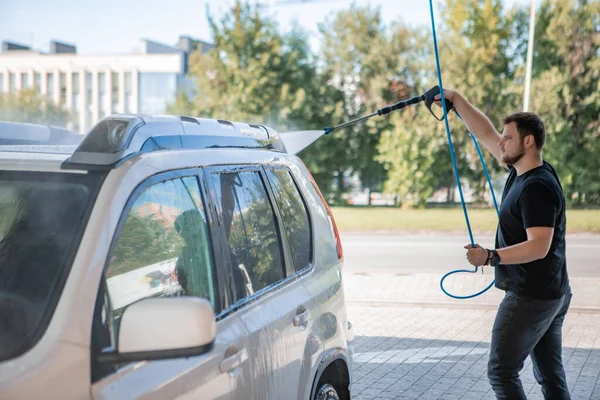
529	255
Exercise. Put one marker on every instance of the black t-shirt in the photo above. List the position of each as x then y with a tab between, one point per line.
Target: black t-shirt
533	199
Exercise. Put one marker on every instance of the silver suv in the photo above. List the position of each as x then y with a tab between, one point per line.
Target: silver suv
166	257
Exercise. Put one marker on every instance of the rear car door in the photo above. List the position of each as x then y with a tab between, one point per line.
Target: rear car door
163	247
269	299
297	231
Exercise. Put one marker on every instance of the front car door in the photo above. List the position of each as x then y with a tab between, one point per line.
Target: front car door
164	247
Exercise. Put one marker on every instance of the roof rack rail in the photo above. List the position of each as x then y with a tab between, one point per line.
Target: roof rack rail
121	136
21	133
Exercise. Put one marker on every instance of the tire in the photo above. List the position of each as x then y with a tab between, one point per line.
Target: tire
327	392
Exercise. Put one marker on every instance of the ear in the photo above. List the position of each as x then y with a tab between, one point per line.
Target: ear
529	141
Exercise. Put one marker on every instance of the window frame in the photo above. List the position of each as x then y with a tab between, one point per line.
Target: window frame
311	260
100	371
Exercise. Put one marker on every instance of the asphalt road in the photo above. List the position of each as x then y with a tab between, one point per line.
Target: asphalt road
410	254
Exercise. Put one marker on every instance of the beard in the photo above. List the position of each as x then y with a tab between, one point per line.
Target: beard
512	160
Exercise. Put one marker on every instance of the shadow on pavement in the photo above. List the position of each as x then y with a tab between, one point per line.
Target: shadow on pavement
408	368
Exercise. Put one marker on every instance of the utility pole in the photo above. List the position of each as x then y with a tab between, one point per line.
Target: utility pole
529	57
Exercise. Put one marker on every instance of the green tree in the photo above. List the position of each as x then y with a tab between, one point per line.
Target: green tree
482	59
359	53
414	147
476	47
257	75
27	106
566	93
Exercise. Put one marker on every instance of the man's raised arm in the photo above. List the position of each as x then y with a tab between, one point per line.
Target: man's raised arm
476	121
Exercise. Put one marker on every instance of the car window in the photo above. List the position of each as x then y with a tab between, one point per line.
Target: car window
163	249
251	231
294	216
42	216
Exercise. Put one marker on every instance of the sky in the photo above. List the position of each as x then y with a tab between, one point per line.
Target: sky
116	26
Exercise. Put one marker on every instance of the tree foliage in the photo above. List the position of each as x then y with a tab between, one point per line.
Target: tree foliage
27	106
258	74
566	92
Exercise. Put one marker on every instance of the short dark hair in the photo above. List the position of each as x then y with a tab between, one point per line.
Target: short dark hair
528	123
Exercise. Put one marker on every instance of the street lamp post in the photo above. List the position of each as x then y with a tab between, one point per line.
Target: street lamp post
529	57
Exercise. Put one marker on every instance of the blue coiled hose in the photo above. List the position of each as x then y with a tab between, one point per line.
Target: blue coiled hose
456	175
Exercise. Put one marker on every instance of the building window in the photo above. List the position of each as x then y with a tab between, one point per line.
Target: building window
102	94
88	100
63	88
75	83
88	88
50	85
156	91
37	81
115	92
24	80
128	92
12	82
75	100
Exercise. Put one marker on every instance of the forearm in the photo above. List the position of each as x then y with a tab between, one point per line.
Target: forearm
528	251
475	120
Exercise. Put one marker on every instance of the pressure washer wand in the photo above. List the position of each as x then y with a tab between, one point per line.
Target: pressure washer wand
428	97
328	130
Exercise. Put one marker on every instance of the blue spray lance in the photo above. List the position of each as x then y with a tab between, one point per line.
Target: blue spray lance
429	98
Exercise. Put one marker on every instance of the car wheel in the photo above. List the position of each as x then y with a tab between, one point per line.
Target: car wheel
327	392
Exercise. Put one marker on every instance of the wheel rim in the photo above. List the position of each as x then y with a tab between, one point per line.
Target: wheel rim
327	392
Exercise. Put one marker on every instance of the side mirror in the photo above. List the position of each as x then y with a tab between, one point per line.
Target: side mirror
161	328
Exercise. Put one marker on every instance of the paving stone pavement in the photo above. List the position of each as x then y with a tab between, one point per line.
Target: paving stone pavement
421	289
416	352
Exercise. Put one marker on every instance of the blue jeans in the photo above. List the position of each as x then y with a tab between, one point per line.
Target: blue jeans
524	327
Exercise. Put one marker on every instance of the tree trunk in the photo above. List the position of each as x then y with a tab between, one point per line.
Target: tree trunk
450	196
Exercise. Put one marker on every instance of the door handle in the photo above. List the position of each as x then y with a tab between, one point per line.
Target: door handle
302	319
234	361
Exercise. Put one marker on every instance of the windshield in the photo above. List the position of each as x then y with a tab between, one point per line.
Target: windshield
42	216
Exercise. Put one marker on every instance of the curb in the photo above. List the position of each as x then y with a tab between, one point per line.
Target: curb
464	305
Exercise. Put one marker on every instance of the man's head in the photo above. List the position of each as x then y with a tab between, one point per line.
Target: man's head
524	133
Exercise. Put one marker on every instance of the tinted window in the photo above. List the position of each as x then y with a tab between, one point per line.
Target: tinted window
294	216
41	220
163	248
251	231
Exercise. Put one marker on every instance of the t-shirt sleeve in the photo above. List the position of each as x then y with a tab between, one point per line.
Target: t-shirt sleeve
539	206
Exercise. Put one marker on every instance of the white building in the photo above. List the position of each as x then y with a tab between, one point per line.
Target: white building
93	86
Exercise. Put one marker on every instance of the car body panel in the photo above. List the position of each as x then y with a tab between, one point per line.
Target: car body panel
63	356
183	378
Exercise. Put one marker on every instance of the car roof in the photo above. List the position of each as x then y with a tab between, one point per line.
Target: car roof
119	137
31	160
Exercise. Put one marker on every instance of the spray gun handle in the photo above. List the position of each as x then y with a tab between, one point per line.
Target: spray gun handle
430	99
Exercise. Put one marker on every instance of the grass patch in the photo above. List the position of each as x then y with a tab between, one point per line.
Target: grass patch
373	219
